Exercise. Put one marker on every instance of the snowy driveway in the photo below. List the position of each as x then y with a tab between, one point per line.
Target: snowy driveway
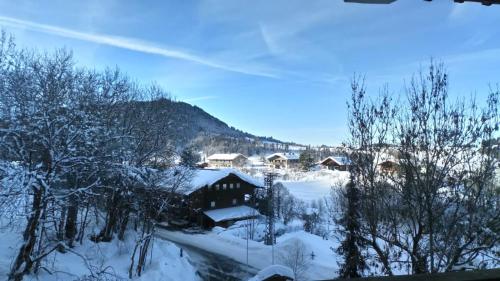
211	266
229	253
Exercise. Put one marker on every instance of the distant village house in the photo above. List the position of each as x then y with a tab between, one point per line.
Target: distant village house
229	160
388	167
336	163
283	160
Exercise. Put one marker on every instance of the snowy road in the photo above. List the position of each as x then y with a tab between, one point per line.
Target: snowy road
222	256
212	266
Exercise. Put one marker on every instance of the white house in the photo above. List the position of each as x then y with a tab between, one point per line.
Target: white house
283	160
227	160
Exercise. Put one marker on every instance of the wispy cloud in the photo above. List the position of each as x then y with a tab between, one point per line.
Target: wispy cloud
131	44
200	98
271	44
486	55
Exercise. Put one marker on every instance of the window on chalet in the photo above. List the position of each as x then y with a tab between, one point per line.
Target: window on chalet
217	187
237	185
235	201
231	186
212	204
224	186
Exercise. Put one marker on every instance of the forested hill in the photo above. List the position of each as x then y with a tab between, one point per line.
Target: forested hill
192	126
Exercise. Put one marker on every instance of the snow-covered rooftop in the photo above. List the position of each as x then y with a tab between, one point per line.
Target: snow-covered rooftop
340	160
204	177
273	270
225	156
286	156
231	213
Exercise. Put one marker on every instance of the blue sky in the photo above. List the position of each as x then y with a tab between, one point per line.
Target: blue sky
272	68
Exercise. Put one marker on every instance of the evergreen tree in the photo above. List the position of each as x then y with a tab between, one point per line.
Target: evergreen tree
189	157
306	159
354	262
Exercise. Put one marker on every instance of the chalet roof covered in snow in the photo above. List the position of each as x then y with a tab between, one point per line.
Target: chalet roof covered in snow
273	270
286	156
204	177
340	160
231	213
225	156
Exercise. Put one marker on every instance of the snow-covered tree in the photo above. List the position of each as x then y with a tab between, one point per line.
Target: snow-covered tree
435	208
74	142
297	259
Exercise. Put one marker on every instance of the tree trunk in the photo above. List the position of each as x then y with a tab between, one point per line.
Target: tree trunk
23	263
83	225
60	228
113	210
71	220
123	225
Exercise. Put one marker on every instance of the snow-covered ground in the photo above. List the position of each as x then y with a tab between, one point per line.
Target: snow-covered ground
109	261
321	260
313	185
307	186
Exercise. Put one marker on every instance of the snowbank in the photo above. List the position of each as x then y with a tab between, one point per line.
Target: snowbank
105	260
273	270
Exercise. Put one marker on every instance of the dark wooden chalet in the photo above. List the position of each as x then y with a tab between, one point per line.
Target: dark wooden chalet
219	197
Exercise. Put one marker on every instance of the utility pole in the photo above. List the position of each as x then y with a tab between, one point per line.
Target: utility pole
248	234
269	238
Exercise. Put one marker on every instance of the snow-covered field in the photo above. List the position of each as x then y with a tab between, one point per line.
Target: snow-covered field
307	186
313	185
100	261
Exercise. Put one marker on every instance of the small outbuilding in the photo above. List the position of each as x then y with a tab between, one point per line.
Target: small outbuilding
227	216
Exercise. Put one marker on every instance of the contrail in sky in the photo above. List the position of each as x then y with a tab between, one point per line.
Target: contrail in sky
127	43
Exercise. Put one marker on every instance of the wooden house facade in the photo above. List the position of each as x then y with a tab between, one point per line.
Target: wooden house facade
220	197
336	163
283	160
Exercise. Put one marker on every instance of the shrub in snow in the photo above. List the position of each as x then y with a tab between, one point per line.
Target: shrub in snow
296	258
